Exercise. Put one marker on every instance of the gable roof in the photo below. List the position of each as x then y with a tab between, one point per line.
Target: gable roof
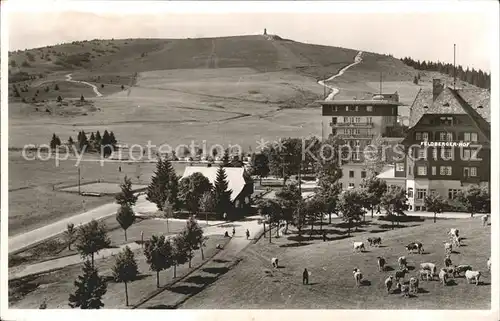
235	177
454	101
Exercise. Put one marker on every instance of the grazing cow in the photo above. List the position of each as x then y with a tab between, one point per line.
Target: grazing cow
488	264
405	289
462	268
274	262
380	263
402	262
415	246
443	276
447	261
484	219
218	246
430	267
472	275
374	241
448	247
388	283
455	240
414	285
400	274
359	246
450	270
357	276
453	232
425	274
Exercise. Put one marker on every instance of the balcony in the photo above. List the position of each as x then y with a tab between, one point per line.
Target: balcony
351	125
355	136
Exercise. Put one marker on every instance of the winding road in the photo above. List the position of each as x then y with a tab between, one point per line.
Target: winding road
94	87
334	90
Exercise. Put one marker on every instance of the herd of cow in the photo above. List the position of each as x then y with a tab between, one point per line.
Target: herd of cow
427	270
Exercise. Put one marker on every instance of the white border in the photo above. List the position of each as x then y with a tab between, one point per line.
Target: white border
117	7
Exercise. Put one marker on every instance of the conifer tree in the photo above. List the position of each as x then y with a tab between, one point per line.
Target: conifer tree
222	194
90	288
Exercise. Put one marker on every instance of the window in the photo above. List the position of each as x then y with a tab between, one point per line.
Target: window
421	170
356	156
341	185
346	108
369	108
433	170
442	136
353	108
425	136
418	136
400	167
346	119
363	174
473	171
467	137
432	191
446	153
356	143
466	154
473	137
452	193
410	170
434	153
445	170
421	193
351	119
351	185
357	108
358	119
369	120
422	153
334	120
410	192
334	108
351	174
449	137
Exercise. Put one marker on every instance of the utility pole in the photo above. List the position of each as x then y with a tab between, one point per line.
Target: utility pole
381	83
454	70
79	181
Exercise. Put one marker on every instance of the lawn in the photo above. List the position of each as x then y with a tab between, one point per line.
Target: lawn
55	287
254	284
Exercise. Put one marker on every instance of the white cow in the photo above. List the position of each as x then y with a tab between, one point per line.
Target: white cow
274	262
484	219
488	264
402	262
448	247
359	246
388	283
472	275
443	276
414	285
453	232
429	266
357	276
425	274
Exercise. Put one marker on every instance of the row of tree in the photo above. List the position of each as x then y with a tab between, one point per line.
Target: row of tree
94	143
474	77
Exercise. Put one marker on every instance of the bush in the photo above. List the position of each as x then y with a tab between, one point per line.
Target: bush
399	218
25	64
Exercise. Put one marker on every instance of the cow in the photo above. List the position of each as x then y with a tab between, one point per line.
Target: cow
429	266
484	219
443	276
462	268
450	271
359	246
448	247
455	240
380	263
453	232
357	276
400	274
472	275
404	288
488	264
374	241
274	262
415	246
425	274
388	283
447	261
402	262
414	285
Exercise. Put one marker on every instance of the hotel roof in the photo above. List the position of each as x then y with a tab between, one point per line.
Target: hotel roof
360	102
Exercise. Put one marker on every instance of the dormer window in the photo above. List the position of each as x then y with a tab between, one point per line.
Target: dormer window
447	104
479	107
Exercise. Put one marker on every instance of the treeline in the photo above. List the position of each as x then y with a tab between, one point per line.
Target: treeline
474	77
95	143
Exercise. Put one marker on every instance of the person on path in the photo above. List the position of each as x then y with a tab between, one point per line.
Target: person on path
248	234
378	209
305	277
324	236
226	234
234	231
119	168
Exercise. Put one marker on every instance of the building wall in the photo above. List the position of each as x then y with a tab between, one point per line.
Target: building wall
357	179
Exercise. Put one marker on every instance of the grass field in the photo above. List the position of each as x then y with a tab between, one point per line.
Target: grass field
254	284
100	188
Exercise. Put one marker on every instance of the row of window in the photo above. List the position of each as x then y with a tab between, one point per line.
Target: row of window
352	108
446	153
422	193
445	136
446	171
351	174
353	120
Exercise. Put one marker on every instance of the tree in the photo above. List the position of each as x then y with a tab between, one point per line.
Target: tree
112	139
221	193
207	203
126	196
313	208
98	140
288	198
164	185
106	144
475	199
193	235
13	63
90	288
299	217
180	251
158	253
92	237
125	269
59	99
225	159
271	211
70	141
82	98
415	80
123	87
351	207
191	189
55	142
260	165
125	217
286	159
374	188
395	202
70	235
83	143
435	204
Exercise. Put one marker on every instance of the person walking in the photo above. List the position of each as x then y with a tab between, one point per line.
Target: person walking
324	236
378	209
234	231
305	277
248	234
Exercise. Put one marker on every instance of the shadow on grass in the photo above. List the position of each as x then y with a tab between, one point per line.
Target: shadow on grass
200	279
281	266
366	283
455	252
186	289
420	290
295	244
481	283
377	231
216	270
410	267
451	282
313	283
162	307
220	261
388	268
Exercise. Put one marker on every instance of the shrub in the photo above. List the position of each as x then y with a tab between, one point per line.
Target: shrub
25	64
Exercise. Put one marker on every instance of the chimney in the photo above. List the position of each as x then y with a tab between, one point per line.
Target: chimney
437	88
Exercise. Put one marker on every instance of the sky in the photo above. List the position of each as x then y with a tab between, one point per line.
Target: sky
389	28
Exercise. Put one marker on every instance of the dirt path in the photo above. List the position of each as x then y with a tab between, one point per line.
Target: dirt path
334	90
94	87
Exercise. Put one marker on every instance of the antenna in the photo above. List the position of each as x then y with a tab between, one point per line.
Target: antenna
454	70
381	83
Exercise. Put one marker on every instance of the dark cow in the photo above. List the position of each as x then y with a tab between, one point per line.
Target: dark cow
374	241
415	246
